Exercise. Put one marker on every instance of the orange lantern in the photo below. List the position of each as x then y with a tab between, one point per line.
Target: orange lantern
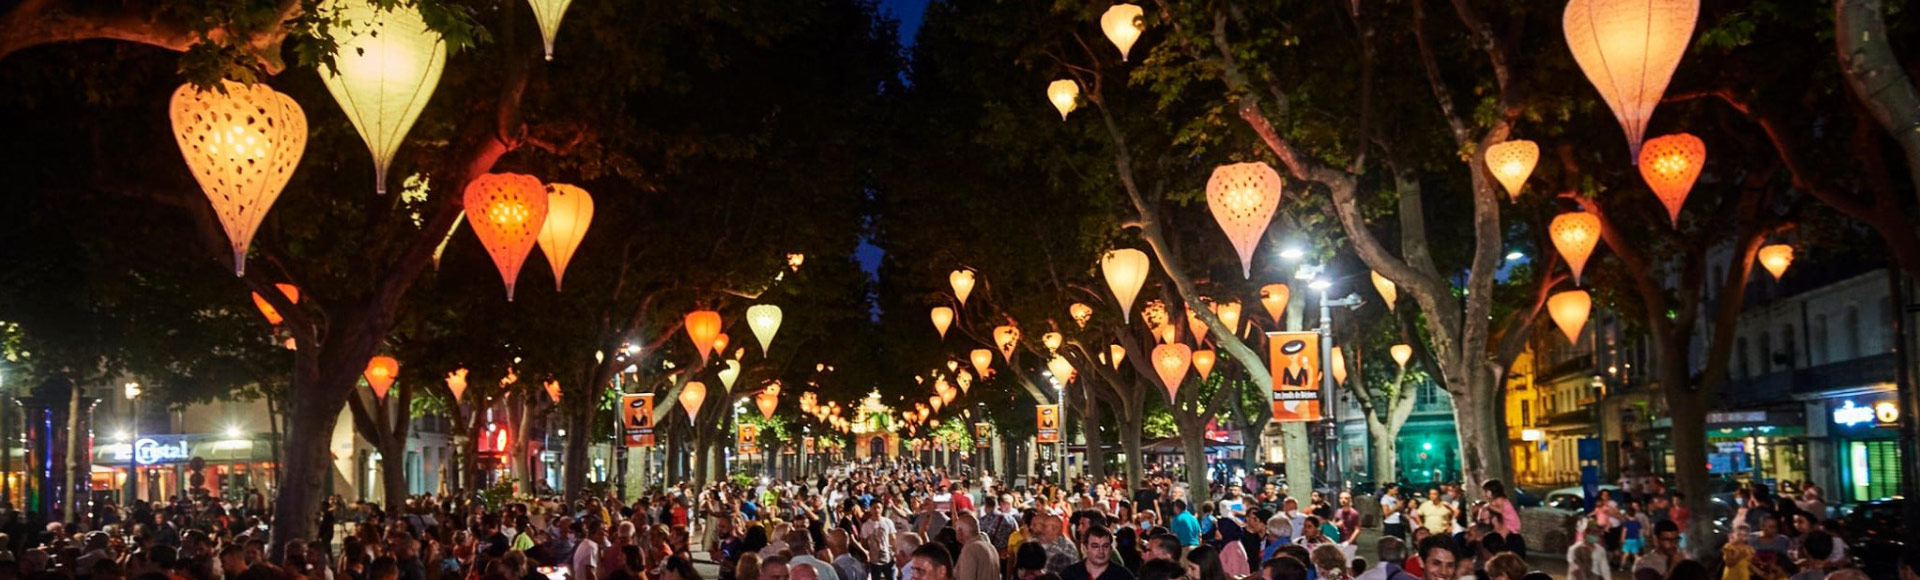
507	211
1203	362
1229	314
720	342
1171	362
942	319
1052	341
1081	313
569	212
1629	50
1670	164
1569	311
703	327
1575	234
1388	292
1775	258
1339	367
768	403
965	379
273	316
1196	326
1511	162
982	361
962	281
1242	198
935	402
1274	298
691	397
457	383
1006	337
1119	354
553	390
381	370
242	143
1061	369
1401	354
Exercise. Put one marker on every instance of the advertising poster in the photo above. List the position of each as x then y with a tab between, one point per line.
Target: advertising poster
1047	420
636	416
1295	358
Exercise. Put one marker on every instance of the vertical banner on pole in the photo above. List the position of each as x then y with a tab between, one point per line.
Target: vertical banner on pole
749	440
1047	418
807	444
636	414
982	435
1296	367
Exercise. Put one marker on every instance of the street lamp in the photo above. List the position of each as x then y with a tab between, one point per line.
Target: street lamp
132	392
1328	400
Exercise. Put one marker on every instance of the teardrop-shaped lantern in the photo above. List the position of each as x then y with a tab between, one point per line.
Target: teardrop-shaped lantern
691	397
507	211
1229	313
1389	293
1126	271
1511	162
381	370
764	320
266	309
1119	354
384	72
1123	25
729	373
1203	362
982	361
1569	311
953	366
1401	354
1171	362
569	212
1006	337
1065	95
702	327
1629	50
548	13
242	146
720	342
936	401
1061	369
553	390
964	379
1670	164
1274	298
457	383
942	319
1081	313
768	403
1196	326
1339	367
962	281
1575	234
1775	258
1243	197
1052	341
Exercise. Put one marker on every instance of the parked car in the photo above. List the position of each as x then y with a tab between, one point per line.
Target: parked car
1571	500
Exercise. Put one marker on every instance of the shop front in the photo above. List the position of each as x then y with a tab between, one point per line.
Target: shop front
1866	439
234	464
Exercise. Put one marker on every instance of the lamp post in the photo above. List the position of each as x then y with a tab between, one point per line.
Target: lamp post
132	392
1329	402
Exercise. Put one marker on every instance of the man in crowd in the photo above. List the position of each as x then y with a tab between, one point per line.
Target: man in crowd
1185	525
1098	564
930	562
978	560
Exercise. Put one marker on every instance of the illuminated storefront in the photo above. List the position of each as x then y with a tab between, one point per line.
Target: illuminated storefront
1867	444
235	462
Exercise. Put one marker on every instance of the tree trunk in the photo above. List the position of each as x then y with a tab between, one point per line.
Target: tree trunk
1299	452
579	440
1386	444
1874	73
1130	433
1090	429
393	471
1193	436
1478	412
315	402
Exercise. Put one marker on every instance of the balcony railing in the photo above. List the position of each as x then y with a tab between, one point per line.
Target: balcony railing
1783	385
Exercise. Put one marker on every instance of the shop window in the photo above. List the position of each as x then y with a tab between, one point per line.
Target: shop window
1873	469
1526	413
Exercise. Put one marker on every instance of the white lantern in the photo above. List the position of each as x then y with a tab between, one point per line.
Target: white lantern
1388	292
569	212
729	373
962	281
942	319
764	319
242	146
1512	162
1243	197
1123	26
1126	271
384	72
1061	369
1006	337
1629	50
1065	95
548	13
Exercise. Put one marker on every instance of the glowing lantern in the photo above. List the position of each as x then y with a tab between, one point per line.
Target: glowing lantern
1203	362
952	365
381	370
273	316
1081	313
1242	198
553	390
1171	361
1512	162
1052	340
569	212
729	373
768	402
1629	50
1775	258
935	402
1388	292
1061	369
1005	337
242	146
1670	164
965	379
1196	326
1119	354
1339	366
947	395
1274	298
764	319
1229	314
1123	26
703	326
1165	332
1064	93
507	211
1569	311
720	342
384	72
942	318
1401	354
982	361
795	260
548	13
457	383
691	396
1575	234
1126	271
962	281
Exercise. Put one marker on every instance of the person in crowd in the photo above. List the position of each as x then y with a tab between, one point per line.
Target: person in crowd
1098	563
1392	553
1283	568
1330	563
1436	514
1439	558
978	559
1347	519
930	562
1506	566
1660	561
1184	525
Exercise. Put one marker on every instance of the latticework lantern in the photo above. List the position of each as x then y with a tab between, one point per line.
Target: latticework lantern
266	309
982	361
553	390
1081	313
1123	24
1006	337
962	281
1388	292
507	211
764	320
548	13
1339	361
942	319
691	397
569	212
381	370
1119	354
1274	298
1243	197
457	383
1065	95
1569	311
702	327
1052	341
768	403
384	72
1670	164
1171	362
1401	354
1775	258
729	374
1126	271
1574	235
1629	50
242	146
1511	162
1229	313
1061	369
1203	362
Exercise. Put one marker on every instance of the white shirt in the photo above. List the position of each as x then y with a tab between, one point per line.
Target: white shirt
879	532
1391	506
586	560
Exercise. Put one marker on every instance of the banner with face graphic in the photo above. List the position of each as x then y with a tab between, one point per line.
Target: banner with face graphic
1296	367
807	444
636	418
749	441
982	435
1047	418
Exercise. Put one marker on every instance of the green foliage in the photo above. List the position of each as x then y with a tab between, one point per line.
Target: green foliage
496	496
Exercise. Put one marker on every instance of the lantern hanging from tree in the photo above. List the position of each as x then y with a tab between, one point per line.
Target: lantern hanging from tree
936	401
729	373
720	342
1274	298
266	309
982	361
1775	258
962	281
457	383
1511	162
1629	50
569	212
1052	341
1171	362
1119	354
1065	95
242	146
1575	234
1229	313
384	72
1670	164
1081	313
1569	311
952	366
553	390
1196	326
1126	271
1401	354
764	320
381	370
703	326
1123	25
507	211
1388	292
1203	362
965	379
794	260
1339	361
1061	369
768	402
548	13
1006	337
691	396
1242	198
942	318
